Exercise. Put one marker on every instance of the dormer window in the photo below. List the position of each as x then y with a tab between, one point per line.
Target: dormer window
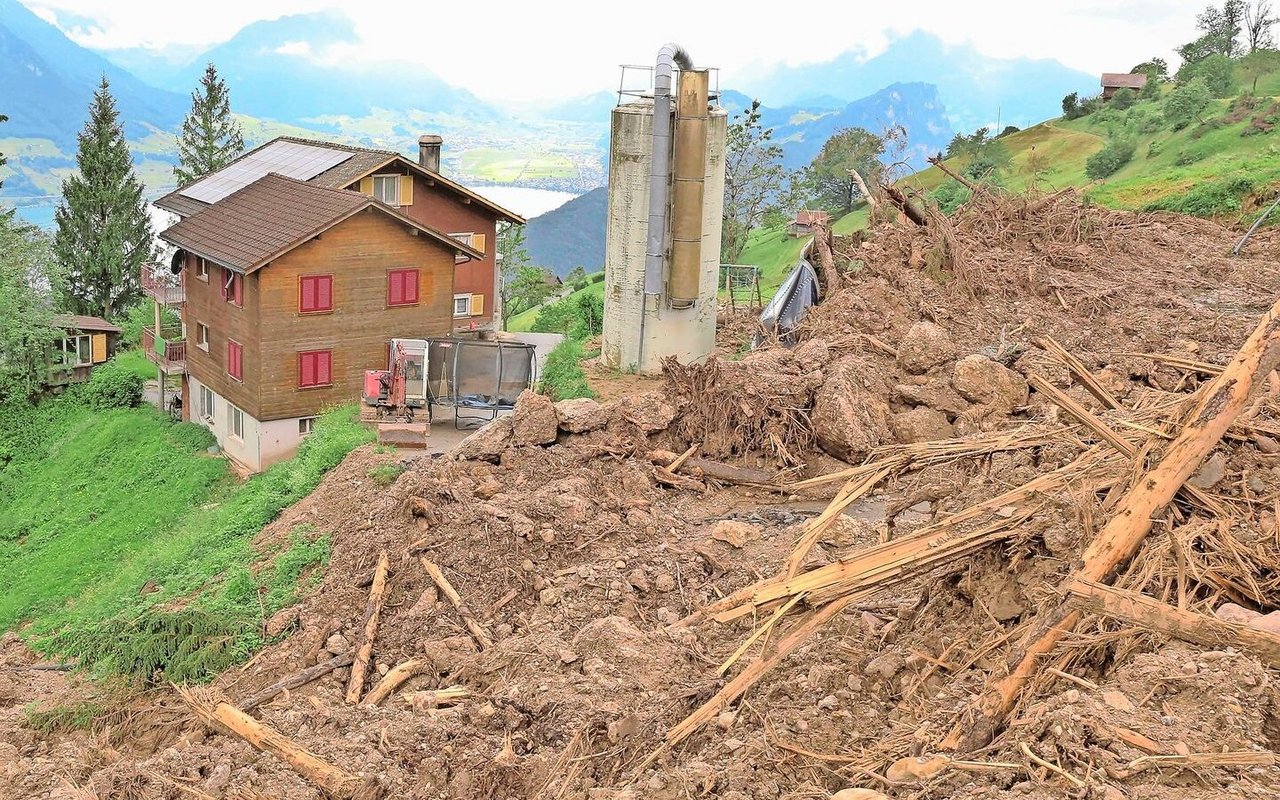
386	188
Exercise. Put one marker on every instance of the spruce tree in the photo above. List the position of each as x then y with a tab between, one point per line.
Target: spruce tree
103	229
210	137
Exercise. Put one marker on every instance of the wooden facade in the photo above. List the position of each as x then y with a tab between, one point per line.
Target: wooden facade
424	201
358	252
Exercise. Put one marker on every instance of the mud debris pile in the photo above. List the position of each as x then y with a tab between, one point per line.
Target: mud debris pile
978	395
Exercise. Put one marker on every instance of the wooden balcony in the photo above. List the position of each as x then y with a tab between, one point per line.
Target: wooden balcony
169	352
160	284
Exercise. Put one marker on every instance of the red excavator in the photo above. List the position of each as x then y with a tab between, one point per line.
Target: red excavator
398	392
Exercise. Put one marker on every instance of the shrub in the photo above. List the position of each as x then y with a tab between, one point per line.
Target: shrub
1218	73
1123	99
385	474
578	316
1209	198
950	196
1108	161
1071	105
1150	89
1184	104
191	437
111	386
562	375
1188	157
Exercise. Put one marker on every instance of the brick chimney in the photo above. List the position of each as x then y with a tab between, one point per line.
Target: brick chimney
429	151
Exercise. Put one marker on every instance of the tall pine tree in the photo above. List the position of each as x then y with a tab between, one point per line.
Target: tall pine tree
103	230
210	137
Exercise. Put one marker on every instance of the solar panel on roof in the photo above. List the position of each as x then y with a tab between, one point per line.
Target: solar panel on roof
292	159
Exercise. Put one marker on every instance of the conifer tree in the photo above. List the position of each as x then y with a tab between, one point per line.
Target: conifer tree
103	230
211	137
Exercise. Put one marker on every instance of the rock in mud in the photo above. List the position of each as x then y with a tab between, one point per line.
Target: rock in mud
858	794
580	415
924	347
650	411
978	379
486	444
734	533
934	394
281	621
920	424
1210	473
337	644
534	419
850	416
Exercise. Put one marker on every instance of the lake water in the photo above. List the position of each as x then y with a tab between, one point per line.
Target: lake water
525	201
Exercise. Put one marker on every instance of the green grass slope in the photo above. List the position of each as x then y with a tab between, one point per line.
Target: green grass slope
126	546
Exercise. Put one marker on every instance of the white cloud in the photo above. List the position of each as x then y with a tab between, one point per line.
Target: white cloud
294	49
520	50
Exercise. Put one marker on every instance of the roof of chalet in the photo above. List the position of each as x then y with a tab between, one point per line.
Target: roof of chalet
1124	80
275	214
80	322
810	217
363	161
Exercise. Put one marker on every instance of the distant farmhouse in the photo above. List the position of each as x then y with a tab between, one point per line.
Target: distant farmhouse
804	221
1113	82
86	342
296	265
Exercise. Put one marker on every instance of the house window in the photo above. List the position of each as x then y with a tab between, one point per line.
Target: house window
306	425
77	351
233	287
387	189
315	368
402	287
315	293
235	421
206	403
202	269
235	360
462	305
202	336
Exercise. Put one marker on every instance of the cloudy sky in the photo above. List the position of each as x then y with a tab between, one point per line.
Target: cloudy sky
528	49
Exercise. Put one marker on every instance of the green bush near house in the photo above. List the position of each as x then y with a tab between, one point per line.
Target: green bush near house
111	385
562	375
1108	161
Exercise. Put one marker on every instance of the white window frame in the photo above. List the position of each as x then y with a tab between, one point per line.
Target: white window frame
465	313
235	419
382	180
306	426
207	406
202	269
202	336
467	239
71	346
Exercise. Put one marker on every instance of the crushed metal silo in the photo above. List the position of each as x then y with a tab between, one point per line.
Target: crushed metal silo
662	253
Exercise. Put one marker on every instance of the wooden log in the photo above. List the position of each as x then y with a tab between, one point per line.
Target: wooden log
1212	411
715	470
377	595
222	716
1146	612
864	191
940	164
394	678
826	258
299	678
482	637
1077	368
904	205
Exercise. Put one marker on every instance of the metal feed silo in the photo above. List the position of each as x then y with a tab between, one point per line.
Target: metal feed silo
662	252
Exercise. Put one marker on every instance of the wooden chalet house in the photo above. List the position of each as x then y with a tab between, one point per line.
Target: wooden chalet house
86	342
802	223
296	266
1113	82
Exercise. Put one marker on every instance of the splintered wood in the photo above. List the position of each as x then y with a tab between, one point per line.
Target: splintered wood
1141	469
377	595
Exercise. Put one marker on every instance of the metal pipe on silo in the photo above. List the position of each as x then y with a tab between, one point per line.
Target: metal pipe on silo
660	172
688	188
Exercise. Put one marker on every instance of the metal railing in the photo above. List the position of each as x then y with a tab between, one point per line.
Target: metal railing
159	282
169	351
636	81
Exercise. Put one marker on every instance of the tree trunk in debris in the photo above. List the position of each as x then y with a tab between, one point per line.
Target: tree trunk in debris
477	631
826	258
299	678
940	164
396	676
1219	403
377	595
900	202
715	470
229	719
1149	613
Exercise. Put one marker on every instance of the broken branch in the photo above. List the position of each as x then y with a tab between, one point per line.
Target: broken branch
477	631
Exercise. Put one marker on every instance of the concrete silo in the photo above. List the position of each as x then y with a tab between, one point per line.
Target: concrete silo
662	252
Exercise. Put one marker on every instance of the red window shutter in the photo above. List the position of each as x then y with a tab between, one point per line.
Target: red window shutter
237	286
306	369
324	367
235	360
324	292
395	288
410	286
306	294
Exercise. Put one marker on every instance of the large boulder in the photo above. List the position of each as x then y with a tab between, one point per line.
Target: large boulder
486	444
580	415
850	416
924	347
934	394
980	380
534	419
920	424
